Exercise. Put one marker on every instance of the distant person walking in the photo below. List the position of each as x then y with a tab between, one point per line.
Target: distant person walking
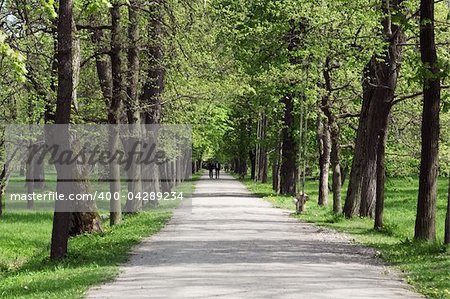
217	170
210	168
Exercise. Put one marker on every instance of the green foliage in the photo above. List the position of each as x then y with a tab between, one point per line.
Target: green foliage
15	61
49	8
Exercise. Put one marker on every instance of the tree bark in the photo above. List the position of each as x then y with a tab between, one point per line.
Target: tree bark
115	111
263	162
425	228
353	199
242	168
252	157
61	220
103	65
289	149
29	178
64	223
323	140
379	114
3	183
379	83
38	170
381	176
336	167
132	102
154	85
276	168
447	218
132	106
150	99
262	151
105	76
333	126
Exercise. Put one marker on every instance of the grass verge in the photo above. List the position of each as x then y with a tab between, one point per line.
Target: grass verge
27	272
426	266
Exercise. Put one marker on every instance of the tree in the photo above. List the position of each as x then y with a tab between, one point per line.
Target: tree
154	83
61	220
289	145
70	178
154	86
261	149
132	103
288	148
333	127
379	84
115	109
425	228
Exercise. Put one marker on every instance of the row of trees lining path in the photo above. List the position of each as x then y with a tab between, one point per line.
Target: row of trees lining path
289	87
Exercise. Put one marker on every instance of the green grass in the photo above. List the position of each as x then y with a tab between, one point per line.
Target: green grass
427	266
27	272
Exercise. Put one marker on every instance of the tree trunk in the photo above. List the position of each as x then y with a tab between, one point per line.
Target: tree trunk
377	125
132	101
379	83
447	218
38	175
3	183
353	199
425	228
334	138
38	168
154	85
49	114
103	65
64	223
29	178
115	111
242	168
104	72
61	220
381	176
264	166
153	89
344	170
336	167
81	222
289	150
262	149
323	140
173	171
252	157
165	184
132	107
276	168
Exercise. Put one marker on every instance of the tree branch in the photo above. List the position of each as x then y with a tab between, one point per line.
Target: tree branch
92	28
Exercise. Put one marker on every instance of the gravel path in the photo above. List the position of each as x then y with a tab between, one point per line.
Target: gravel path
230	244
